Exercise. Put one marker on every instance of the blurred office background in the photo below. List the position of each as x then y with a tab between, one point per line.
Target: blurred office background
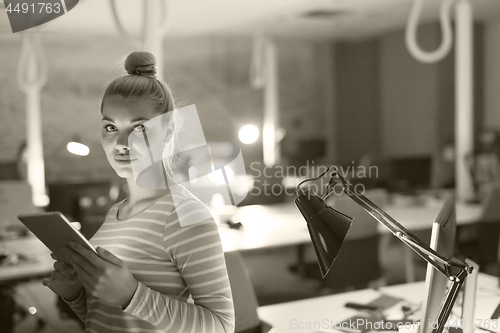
347	93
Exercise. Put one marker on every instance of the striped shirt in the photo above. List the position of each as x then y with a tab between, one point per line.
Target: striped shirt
183	282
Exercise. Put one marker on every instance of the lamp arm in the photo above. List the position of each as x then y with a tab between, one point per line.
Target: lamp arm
442	264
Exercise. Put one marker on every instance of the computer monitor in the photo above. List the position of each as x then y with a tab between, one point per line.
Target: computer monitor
443	242
410	173
469	297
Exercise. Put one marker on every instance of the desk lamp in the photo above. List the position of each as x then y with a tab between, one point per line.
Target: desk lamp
328	228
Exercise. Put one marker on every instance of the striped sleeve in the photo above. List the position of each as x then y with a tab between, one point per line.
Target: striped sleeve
79	306
196	251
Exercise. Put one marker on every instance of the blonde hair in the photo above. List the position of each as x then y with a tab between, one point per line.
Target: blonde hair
140	82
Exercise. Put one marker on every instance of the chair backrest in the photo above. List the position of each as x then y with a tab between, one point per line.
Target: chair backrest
244	298
15	198
364	225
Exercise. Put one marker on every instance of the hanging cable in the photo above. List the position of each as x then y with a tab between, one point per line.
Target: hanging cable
258	70
119	25
31	77
446	32
164	22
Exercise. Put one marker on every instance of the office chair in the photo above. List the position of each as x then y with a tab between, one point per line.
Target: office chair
244	298
16	197
481	241
357	265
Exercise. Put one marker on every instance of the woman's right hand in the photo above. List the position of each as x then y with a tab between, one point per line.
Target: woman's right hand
64	281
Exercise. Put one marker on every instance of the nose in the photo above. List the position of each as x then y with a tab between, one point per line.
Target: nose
122	145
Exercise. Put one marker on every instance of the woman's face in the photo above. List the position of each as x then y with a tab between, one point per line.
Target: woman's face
488	137
120	117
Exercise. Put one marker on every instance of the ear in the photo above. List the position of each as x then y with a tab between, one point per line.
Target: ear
108	256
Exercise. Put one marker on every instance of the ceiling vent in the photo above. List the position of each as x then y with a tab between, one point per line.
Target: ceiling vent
325	14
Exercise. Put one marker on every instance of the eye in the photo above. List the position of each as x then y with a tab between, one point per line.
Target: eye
139	128
109	128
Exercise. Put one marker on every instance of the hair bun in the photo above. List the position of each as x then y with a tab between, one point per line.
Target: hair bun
141	63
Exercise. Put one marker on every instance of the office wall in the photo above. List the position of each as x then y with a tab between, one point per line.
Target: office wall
418	100
301	91
401	107
357	99
409	96
492	73
388	104
385	101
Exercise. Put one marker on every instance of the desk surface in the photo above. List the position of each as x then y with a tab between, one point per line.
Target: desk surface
290	316
267	226
39	262
422	217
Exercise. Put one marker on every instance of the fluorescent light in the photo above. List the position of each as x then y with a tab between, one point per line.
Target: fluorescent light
78	148
248	134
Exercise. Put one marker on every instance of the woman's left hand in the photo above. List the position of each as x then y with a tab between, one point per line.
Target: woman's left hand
104	276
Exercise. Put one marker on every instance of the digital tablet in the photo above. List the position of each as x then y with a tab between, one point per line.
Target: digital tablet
55	231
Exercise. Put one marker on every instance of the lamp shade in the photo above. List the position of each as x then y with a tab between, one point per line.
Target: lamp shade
327	227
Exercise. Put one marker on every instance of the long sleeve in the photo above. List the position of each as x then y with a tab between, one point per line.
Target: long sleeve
197	253
79	306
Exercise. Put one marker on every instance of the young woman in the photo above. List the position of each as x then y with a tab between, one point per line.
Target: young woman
151	274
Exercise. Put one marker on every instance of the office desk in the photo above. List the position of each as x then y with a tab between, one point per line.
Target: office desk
285	317
282	224
422	217
279	225
264	227
416	218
